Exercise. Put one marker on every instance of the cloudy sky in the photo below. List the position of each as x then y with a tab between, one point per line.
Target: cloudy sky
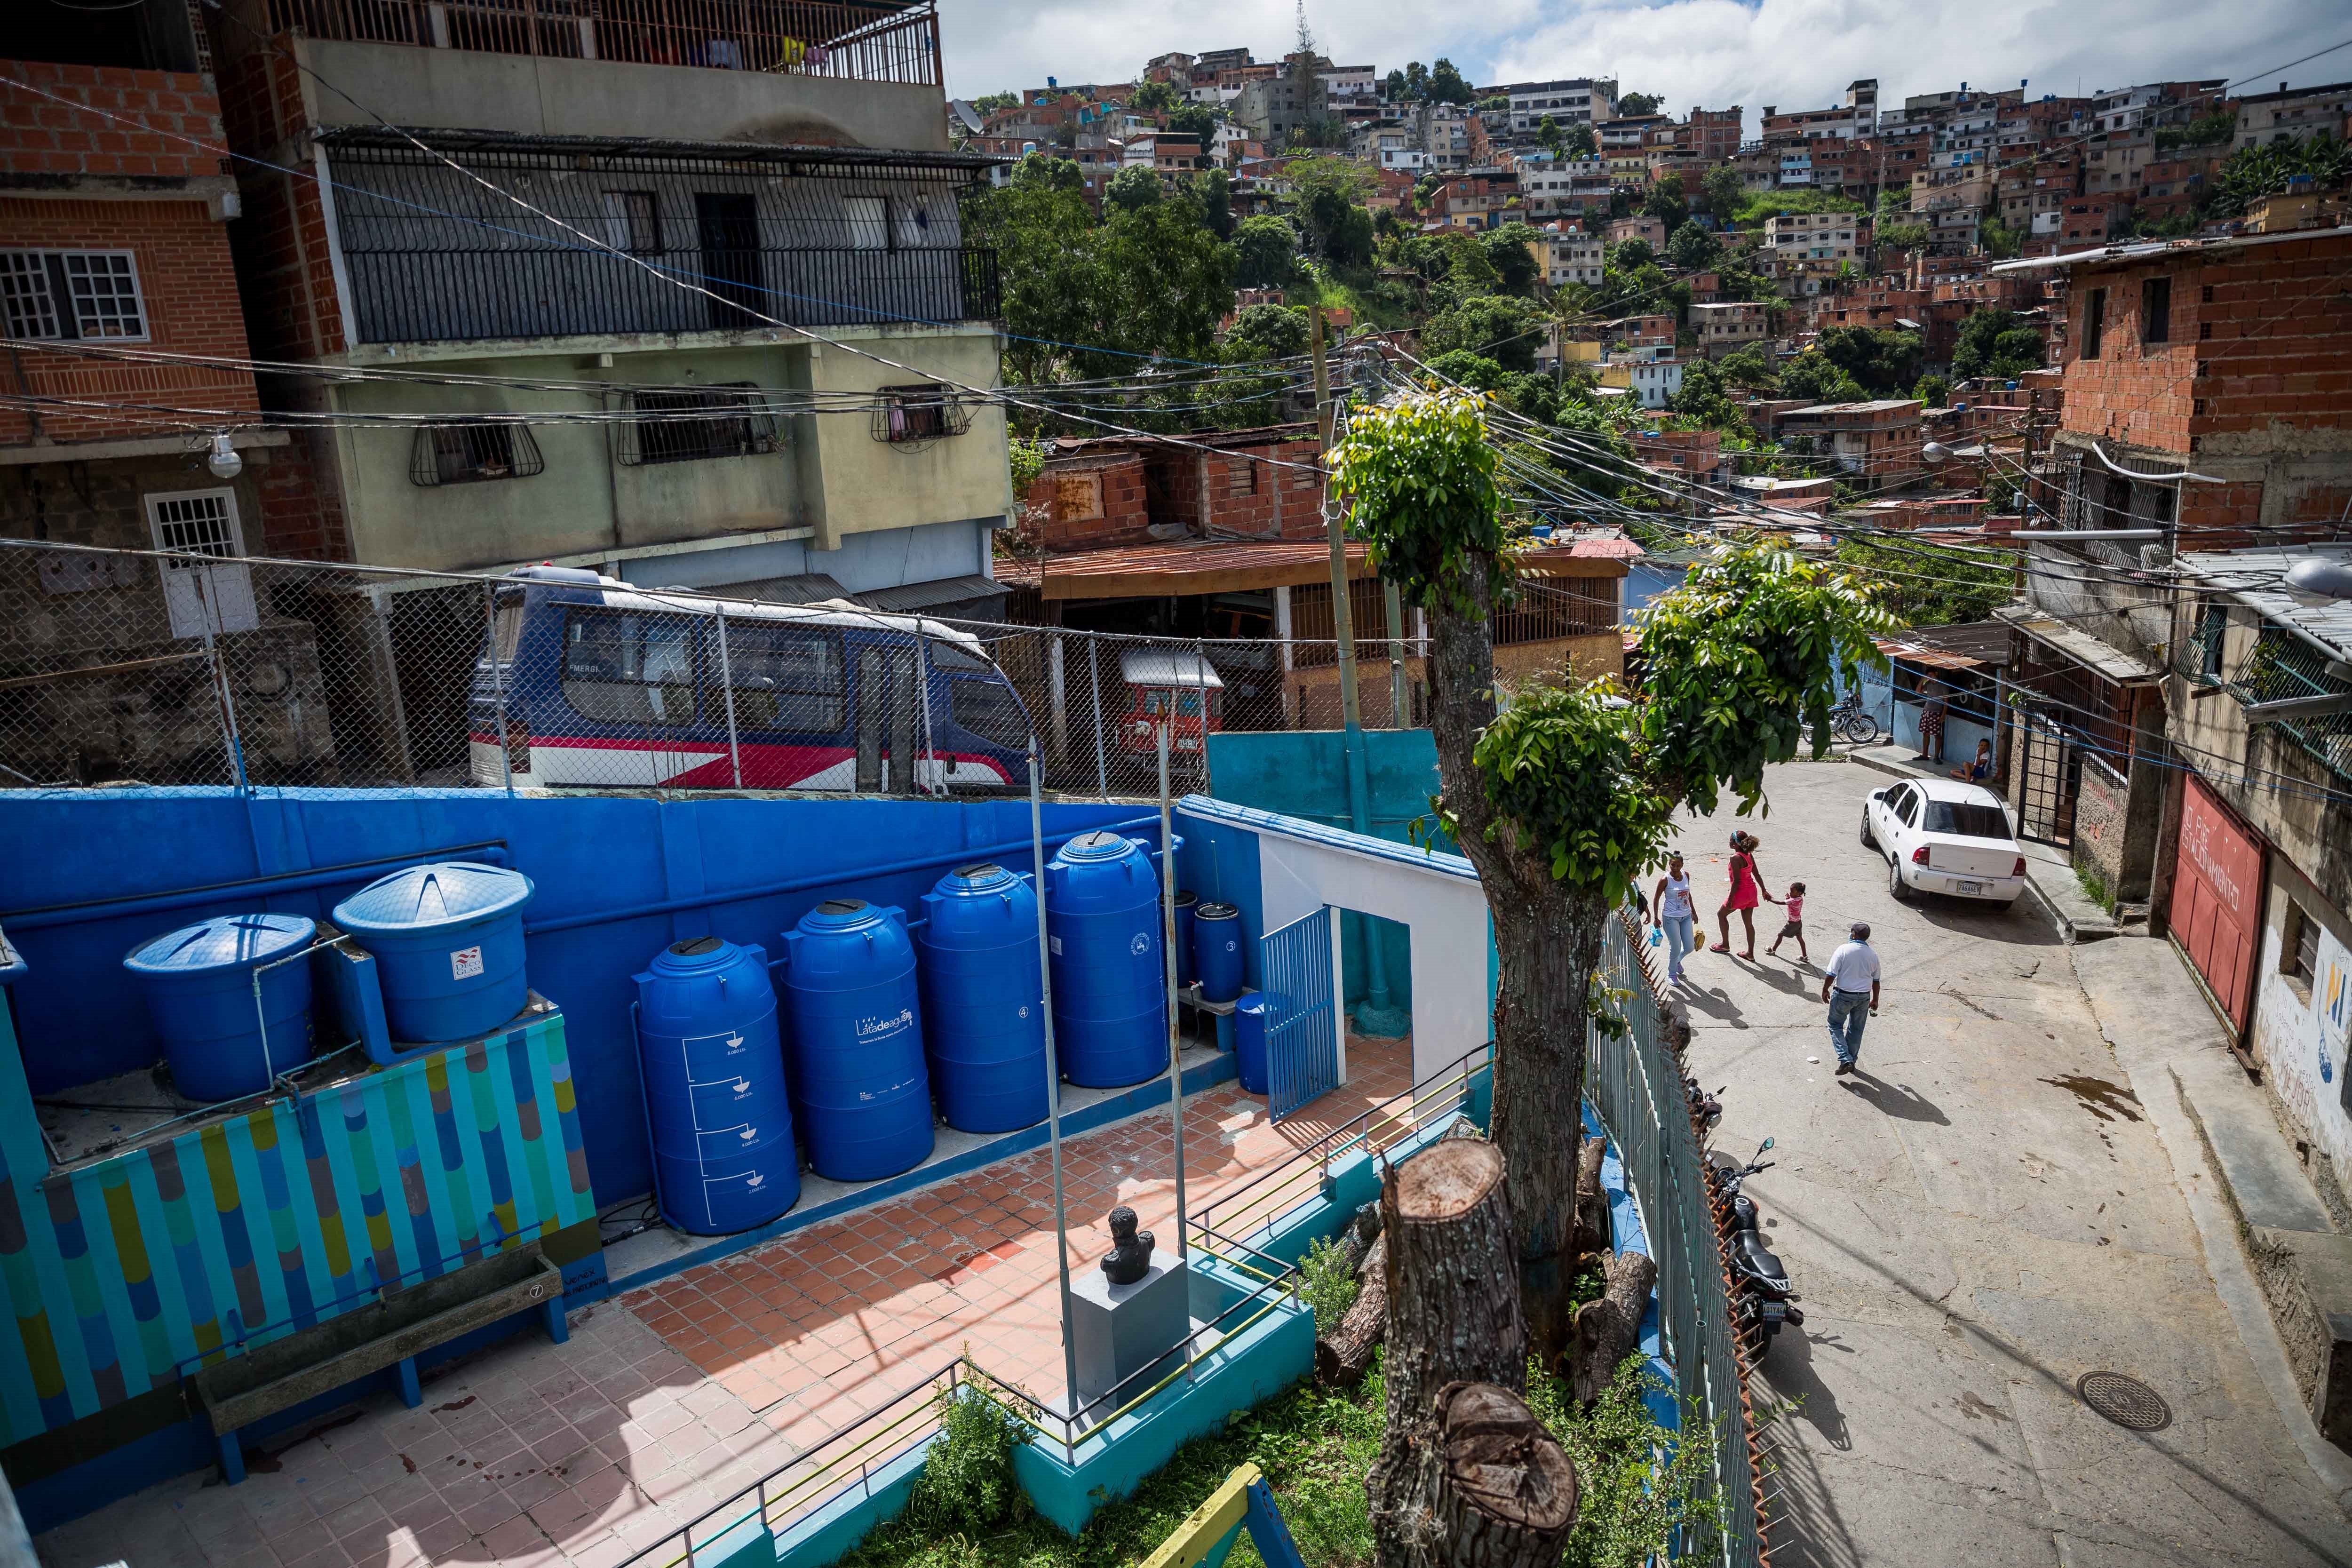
1794	54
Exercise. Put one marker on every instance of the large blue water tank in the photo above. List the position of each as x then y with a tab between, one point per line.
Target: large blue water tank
1217	955
199	985
1110	979
859	1089
447	941
983	1003
715	1100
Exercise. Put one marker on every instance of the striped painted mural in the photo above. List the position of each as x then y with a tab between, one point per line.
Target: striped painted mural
124	1273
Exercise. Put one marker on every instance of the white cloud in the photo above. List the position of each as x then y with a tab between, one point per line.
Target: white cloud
1794	54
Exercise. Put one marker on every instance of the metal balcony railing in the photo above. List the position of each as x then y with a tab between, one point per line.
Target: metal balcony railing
887	43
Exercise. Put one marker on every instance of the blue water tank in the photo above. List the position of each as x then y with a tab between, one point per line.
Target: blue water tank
1217	952
199	985
983	1004
447	941
1110	980
716	1107
860	1092
1249	1040
1188	903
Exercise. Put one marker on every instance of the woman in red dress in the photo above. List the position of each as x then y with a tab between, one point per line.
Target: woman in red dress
1746	890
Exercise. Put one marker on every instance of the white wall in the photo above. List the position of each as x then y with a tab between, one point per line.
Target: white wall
2299	1032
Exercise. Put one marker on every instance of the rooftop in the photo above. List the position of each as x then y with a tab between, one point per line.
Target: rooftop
2158	250
2257	578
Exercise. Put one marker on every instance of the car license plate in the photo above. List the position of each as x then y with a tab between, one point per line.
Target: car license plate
1973	887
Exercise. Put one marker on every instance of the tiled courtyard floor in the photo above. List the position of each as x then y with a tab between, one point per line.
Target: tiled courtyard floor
672	1398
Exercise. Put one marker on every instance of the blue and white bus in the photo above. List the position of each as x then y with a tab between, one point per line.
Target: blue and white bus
611	686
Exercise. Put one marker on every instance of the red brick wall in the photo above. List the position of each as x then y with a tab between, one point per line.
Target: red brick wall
40	136
188	288
1060	524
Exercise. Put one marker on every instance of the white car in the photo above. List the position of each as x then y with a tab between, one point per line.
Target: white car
1941	835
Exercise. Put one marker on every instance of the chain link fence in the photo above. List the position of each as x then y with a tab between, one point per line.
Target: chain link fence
188	668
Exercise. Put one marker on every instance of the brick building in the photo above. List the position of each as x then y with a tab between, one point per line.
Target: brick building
1729	327
1878	439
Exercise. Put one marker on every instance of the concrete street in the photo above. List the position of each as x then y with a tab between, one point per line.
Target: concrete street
1984	1214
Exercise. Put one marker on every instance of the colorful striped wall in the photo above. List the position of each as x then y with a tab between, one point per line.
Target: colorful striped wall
123	1273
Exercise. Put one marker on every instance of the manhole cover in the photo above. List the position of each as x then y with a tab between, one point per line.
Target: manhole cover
2126	1401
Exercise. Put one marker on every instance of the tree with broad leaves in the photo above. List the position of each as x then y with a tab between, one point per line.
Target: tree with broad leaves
1638	104
1565	801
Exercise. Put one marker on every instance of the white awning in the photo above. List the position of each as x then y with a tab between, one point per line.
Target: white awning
1164	667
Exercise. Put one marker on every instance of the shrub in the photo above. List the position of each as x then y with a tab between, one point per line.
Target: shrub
1326	1283
967	1486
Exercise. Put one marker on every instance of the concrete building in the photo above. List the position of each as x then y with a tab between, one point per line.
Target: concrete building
1577	189
1578	101
1878	439
1277	107
1728	327
1857	116
2291	115
1815	237
1568	255
1645	374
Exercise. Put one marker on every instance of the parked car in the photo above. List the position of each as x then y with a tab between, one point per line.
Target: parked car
1940	835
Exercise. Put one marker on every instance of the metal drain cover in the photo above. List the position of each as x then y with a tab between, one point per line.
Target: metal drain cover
2126	1401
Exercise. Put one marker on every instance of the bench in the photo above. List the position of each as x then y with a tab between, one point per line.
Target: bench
389	1331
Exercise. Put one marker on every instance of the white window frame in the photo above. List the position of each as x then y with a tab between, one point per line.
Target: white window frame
203	598
153	499
68	317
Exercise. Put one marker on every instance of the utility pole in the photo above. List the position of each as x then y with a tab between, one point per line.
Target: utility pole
1343	620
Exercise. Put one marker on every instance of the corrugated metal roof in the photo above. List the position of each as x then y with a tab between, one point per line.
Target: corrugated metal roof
1149	571
2257	578
929	595
2102	658
2163	250
1966	644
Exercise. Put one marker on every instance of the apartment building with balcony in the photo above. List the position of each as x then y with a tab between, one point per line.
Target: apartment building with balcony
2290	115
1565	254
1818	237
1578	102
662	213
1727	326
1856	116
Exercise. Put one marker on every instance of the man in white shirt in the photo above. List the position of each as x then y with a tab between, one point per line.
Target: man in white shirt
1851	985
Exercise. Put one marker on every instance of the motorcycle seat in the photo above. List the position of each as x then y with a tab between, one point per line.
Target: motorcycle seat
1758	1256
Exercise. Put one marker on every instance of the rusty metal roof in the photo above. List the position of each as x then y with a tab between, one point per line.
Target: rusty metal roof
1968	645
1156	571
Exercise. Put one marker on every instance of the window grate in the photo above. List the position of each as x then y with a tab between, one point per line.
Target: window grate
730	420
201	524
912	418
69	294
471	454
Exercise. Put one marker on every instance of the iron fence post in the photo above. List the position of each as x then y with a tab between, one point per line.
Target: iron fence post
726	685
923	696
1102	760
220	681
497	681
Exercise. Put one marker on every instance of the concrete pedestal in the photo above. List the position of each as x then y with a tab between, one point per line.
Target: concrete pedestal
1119	1331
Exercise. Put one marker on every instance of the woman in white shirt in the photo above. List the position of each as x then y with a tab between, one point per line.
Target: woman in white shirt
1675	912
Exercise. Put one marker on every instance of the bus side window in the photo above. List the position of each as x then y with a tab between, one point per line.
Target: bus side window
629	668
787	677
990	709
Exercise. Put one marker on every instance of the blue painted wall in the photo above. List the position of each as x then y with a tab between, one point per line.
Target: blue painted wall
1646	580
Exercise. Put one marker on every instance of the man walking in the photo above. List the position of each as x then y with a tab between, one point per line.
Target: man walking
1850	986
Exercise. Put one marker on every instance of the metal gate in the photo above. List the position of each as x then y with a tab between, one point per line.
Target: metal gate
1303	1059
2048	781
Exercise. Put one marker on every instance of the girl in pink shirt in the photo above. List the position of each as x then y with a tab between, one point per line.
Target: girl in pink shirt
1795	904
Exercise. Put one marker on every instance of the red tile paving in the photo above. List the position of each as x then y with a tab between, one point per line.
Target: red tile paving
673	1399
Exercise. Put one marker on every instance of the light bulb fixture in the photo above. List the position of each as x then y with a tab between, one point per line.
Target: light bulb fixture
1936	452
223	459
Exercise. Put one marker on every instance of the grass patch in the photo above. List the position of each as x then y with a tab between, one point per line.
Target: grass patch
2094	888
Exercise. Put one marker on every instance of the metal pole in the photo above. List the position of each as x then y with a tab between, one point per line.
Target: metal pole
726	685
1168	944
1343	619
1398	706
498	683
220	680
1053	1074
1102	761
1200	652
923	696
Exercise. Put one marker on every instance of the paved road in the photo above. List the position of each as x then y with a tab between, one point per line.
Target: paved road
1982	1215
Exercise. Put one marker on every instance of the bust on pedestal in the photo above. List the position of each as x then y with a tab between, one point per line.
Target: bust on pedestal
1131	1315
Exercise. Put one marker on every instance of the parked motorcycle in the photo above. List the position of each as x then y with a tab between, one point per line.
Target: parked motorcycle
1765	1297
1706	1108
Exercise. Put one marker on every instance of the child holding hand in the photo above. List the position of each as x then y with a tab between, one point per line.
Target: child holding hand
1795	927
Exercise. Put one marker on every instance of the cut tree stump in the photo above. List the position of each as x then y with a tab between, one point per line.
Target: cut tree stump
1501	1490
1591	1203
1453	1317
1608	1330
1345	1354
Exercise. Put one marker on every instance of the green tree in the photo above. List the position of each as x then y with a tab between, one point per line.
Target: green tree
1578	141
1702	397
1749	367
1566	800
1881	363
1547	132
1154	98
1323	191
2264	169
1638	104
1813	376
1996	239
1514	263
1470	370
1630	255
1927	586
1211	190
1446	85
1997	344
1037	171
1495	326
1265	252
1934	391
1665	201
1723	192
1133	188
1691	247
995	101
1260	333
1194	119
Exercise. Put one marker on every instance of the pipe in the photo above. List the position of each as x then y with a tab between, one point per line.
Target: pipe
1053	1082
493	850
803	884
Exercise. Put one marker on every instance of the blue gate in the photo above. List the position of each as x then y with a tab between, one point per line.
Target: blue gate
1302	1018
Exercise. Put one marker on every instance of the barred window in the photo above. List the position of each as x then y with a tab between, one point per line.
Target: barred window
68	294
918	415
634	219
730	420
468	454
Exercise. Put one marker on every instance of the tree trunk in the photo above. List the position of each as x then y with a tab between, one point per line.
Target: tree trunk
1608	1330
1592	1232
1547	936
1501	1490
1345	1354
1453	1317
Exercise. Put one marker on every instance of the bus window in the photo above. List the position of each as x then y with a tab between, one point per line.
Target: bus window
787	677
1155	702
623	668
990	709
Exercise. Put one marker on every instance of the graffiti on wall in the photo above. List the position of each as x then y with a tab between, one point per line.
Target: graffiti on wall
2303	1045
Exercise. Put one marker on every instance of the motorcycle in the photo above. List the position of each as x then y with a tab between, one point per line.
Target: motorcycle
1706	1108
1850	723
1766	1299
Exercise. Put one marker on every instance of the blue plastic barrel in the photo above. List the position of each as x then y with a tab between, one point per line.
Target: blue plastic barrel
447	941
983	1003
1188	903
1249	1041
1110	980
198	982
715	1106
860	1092
1217	951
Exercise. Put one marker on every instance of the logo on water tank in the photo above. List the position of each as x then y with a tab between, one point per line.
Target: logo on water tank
869	1027
749	1134
756	1180
1025	1010
1141	945
466	963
